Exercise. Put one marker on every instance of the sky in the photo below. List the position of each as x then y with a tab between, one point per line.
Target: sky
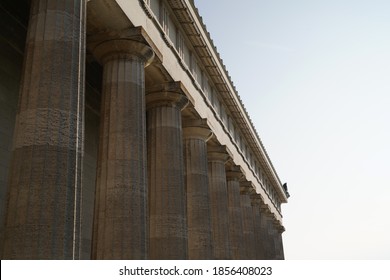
314	75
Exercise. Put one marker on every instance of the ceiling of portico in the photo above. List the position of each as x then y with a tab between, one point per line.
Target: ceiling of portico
103	16
18	8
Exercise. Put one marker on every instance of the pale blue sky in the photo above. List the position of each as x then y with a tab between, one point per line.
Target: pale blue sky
315	79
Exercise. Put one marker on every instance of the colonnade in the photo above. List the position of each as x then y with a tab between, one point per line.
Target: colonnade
163	191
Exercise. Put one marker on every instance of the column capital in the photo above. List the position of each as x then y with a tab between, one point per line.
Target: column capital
134	34
247	188
270	214
218	153
197	129
278	226
255	199
235	172
125	48
171	94
264	208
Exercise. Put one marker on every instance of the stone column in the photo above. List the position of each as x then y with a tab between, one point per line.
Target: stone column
217	157
279	229
234	174
196	133
281	247
259	238
168	215
43	212
271	249
265	237
274	236
120	224
248	229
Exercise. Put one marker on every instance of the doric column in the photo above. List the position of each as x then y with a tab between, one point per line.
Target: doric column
259	238
120	224
217	157
273	235
233	175
43	213
168	215
196	133
281	229
271	249
278	230
248	229
265	237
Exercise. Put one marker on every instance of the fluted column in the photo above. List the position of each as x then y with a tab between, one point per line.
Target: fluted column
234	174
272	234
120	224
256	202
168	215
265	237
196	133
217	157
43	212
271	248
279	242
248	228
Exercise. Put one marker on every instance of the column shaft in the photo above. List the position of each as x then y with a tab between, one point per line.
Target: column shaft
120	224
168	215
219	204
277	239
280	245
198	202
277	233
249	240
43	214
271	238
235	214
260	249
265	237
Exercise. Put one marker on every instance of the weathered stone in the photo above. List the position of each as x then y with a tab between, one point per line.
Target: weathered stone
61	191
167	195
259	236
233	175
217	157
43	217
121	228
196	133
248	229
